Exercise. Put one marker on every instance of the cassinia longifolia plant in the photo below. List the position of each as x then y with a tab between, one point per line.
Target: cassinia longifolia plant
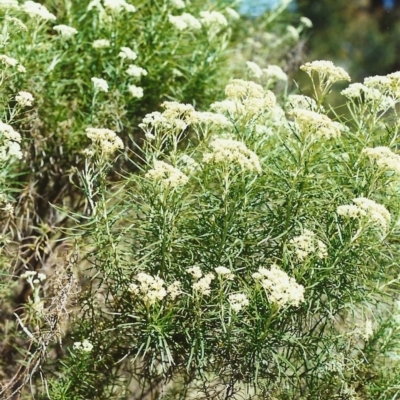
236	243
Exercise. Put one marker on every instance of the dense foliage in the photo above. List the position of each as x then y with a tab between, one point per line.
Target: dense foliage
179	221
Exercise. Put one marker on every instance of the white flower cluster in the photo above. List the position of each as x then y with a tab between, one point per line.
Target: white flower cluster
36	10
302	102
254	69
9	209
101	43
306	22
9	4
312	122
152	288
100	85
275	73
239	89
225	273
178	4
202	283
85	346
107	140
307	244
195	271
11	62
177	116
369	95
233	152
118	6
10	142
326	70
65	31
245	98
33	277
214	21
210	119
135	71
188	164
364	208
280	288
127	53
388	84
184	22
136	91
384	158
15	21
232	14
174	289
167	175
238	301
173	109
24	99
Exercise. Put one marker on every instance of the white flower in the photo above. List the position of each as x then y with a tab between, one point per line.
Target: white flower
105	139
307	244
135	71
369	95
224	272
178	22
233	152
232	14
101	43
65	31
36	10
240	89
9	209
203	285
306	22
9	4
150	287
9	133
275	73
254	69
310	122
85	346
174	289
24	98
293	32
227	106
238	301
280	288
15	21
8	61
213	19
14	150
100	85
167	175
303	102
191	22
195	271
118	5
135	91
208	118
327	70
188	164
127	53
184	21
366	209
178	4
21	69
384	158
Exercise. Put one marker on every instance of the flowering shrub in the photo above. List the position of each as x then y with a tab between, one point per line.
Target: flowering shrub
237	243
245	262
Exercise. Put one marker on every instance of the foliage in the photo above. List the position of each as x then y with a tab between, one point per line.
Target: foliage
178	241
